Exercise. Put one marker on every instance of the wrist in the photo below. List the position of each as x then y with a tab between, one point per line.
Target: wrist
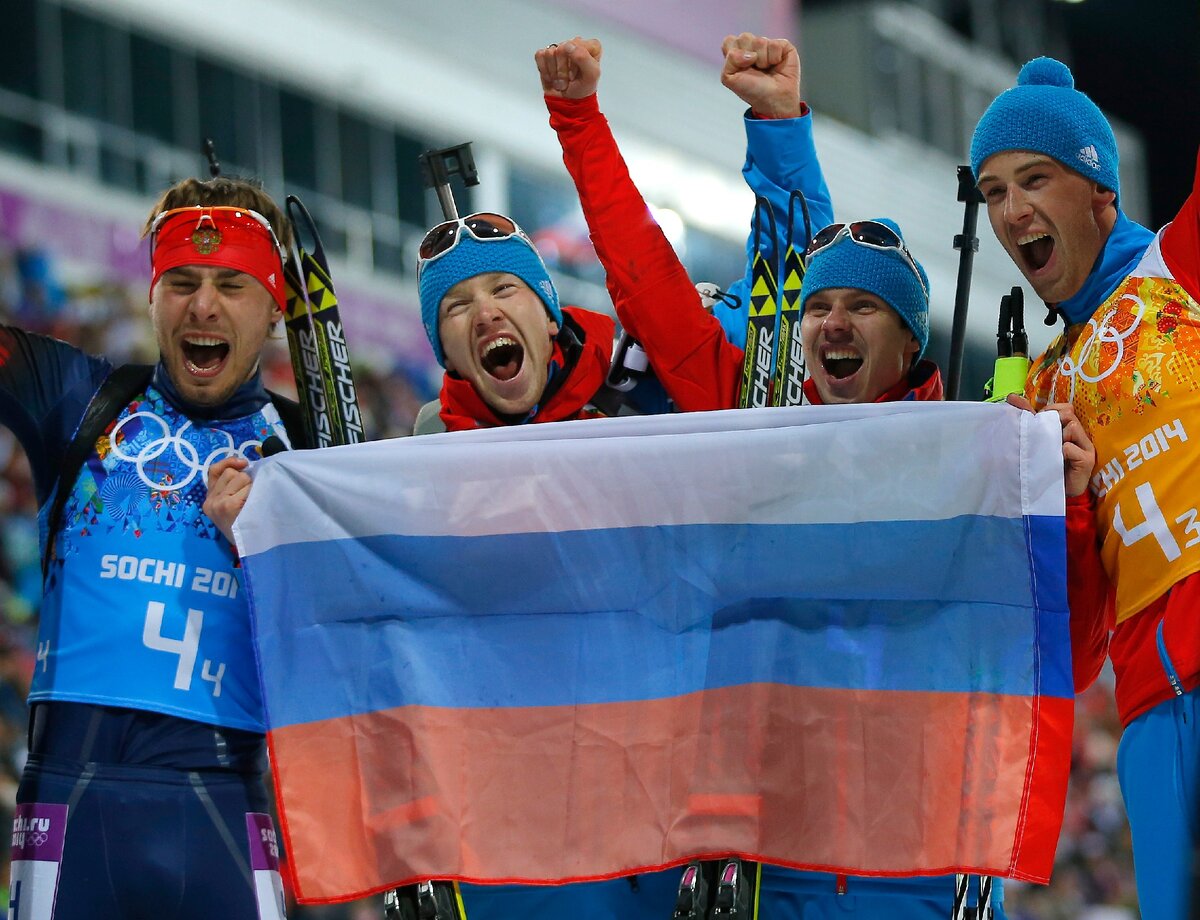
798	109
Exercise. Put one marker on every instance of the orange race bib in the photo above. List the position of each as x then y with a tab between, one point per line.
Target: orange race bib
1133	376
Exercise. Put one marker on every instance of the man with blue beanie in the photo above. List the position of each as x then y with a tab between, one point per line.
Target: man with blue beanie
864	320
1126	367
512	353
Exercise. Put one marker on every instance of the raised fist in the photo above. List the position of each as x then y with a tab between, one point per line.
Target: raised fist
570	69
764	73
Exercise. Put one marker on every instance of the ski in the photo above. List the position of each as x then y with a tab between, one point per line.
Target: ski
736	897
787	384
314	316
772	374
985	911
760	325
691	903
306	359
719	889
425	901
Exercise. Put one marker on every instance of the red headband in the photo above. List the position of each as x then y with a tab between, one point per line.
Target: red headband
236	238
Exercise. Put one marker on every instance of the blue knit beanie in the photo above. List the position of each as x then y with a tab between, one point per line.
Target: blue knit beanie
1046	114
882	272
471	257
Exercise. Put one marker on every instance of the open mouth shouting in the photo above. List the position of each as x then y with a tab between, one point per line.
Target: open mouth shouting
204	355
505	372
502	358
1036	250
841	363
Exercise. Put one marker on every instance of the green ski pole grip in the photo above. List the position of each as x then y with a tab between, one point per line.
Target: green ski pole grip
1009	377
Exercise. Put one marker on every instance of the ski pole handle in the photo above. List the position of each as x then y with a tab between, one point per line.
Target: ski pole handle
437	166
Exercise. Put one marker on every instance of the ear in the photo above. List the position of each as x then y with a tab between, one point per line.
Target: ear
1102	199
553	329
911	349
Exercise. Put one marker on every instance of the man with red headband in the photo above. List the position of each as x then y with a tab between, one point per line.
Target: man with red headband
143	792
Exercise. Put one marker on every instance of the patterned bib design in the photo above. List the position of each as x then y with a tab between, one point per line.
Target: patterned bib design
144	607
1133	376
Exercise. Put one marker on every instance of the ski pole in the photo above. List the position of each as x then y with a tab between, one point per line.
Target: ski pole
967	244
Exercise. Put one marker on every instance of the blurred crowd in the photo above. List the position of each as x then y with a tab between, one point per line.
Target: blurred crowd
1093	879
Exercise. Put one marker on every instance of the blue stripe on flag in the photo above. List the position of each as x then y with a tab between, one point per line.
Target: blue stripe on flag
669	610
1048	573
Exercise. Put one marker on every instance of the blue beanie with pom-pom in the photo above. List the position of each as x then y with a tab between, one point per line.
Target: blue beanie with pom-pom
1046	114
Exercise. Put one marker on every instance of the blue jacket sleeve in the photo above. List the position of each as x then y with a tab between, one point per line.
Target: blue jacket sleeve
45	386
780	158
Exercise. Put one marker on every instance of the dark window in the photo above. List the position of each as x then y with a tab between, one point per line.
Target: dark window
19	63
89	67
389	257
354	136
410	191
153	93
230	115
117	168
20	137
298	132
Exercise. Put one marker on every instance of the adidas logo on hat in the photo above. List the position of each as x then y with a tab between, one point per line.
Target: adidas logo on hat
1089	156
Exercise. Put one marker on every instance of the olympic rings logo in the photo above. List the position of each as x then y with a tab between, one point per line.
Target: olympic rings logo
1099	335
183	453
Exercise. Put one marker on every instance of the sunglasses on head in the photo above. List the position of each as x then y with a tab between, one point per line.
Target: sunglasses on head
483	227
869	233
207	214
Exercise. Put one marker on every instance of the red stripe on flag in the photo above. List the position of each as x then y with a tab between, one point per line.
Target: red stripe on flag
725	804
860	782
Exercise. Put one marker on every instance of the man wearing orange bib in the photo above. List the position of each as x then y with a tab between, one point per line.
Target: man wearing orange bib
1127	365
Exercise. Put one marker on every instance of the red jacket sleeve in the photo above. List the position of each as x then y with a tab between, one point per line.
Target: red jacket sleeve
655	299
1181	241
1089	593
